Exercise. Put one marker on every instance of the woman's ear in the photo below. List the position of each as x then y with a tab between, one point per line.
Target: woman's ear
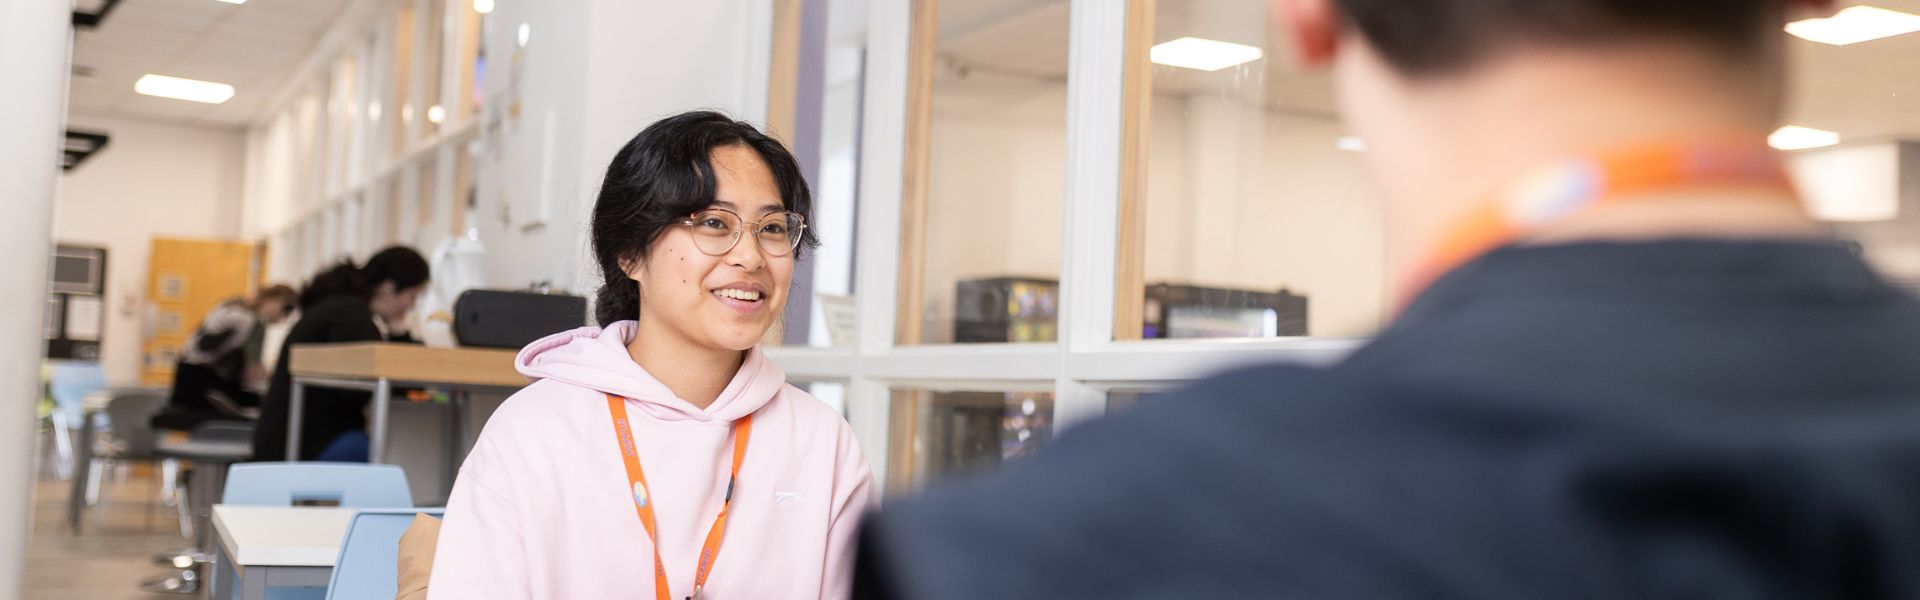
387	288
635	268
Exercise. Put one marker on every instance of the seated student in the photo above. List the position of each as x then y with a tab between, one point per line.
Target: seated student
1629	365
223	355
664	456
346	303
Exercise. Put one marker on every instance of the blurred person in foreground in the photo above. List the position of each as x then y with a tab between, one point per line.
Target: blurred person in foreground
1626	364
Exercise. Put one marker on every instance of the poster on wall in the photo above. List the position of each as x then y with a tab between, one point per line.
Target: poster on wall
84	317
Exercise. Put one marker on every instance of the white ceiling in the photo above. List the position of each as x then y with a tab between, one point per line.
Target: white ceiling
250	46
1865	91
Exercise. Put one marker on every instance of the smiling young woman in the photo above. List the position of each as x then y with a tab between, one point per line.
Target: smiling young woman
647	446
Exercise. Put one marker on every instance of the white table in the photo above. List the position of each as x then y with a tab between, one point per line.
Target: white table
269	546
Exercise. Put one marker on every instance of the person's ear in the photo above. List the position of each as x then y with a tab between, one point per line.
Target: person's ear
634	267
1314	28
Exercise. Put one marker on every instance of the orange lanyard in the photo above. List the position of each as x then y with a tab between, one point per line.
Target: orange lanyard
1577	185
643	499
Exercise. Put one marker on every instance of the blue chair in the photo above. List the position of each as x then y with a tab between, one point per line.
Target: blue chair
368	566
285	484
68	383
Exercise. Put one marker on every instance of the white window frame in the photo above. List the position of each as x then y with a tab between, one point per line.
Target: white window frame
1086	362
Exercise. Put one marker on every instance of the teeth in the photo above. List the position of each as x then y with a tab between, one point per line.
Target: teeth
738	294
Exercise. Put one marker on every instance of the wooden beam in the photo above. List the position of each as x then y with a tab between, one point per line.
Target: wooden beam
902	429
783	73
1136	119
908	327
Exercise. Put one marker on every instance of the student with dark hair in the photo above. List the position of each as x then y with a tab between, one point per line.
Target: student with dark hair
1627	363
662	455
223	356
345	303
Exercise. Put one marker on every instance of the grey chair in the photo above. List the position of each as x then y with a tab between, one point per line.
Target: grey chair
213	448
130	439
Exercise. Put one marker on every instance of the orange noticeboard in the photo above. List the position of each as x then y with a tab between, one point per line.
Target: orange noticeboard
185	280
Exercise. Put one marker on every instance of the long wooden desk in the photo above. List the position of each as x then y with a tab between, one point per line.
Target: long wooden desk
378	366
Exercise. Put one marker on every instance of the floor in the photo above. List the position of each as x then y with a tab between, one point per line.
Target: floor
112	555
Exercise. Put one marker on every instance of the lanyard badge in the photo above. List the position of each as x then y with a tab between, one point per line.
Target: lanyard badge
643	499
1570	187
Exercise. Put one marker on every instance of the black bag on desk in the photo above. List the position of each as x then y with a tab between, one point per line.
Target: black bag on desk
498	319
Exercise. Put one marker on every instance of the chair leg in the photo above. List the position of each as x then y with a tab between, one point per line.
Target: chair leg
100	493
93	480
63	444
182	502
146	506
170	481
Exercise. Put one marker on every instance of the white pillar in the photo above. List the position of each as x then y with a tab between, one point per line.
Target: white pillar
34	45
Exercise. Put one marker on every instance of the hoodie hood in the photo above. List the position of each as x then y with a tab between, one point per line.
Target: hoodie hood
596	359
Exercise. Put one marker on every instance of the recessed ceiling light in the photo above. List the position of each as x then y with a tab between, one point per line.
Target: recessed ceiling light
373	110
183	89
1854	25
435	114
1795	137
234	1
1351	143
525	30
1203	54
483	6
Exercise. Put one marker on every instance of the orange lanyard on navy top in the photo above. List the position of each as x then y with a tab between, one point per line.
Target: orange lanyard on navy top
1573	186
643	497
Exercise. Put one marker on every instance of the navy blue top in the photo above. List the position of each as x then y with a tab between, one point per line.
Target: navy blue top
1685	419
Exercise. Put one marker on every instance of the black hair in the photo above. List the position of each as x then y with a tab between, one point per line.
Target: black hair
1431	37
665	174
400	265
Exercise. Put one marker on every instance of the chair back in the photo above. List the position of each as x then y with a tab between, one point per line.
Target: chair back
290	483
130	415
69	382
368	565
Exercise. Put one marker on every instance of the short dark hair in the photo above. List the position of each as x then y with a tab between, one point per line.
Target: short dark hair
1431	37
665	174
401	265
276	293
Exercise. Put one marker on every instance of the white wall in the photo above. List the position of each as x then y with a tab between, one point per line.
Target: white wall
592	74
152	180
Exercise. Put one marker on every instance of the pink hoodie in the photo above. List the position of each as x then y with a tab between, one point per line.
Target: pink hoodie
542	507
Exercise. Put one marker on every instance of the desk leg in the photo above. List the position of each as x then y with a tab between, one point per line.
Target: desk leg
254	587
296	403
220	576
452	457
82	471
377	443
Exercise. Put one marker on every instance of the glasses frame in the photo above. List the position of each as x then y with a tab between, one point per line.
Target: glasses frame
795	220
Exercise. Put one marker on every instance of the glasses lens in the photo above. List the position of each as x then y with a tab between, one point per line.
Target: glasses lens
715	230
780	233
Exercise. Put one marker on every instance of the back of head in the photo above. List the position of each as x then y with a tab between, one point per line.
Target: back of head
276	293
1437	37
399	265
666	174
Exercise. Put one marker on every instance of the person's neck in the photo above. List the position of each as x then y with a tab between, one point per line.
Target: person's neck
694	373
1477	134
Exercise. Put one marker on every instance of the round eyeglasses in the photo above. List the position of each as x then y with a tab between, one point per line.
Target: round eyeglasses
717	230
